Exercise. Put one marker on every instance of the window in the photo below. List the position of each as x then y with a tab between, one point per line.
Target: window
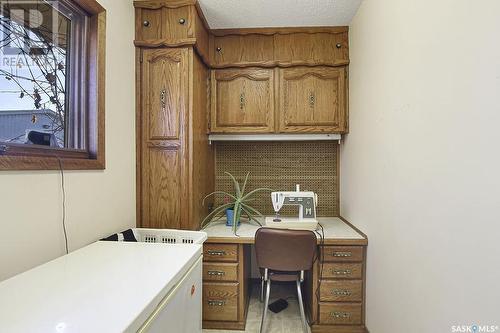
51	84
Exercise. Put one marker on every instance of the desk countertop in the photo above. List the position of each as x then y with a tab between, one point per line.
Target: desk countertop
337	231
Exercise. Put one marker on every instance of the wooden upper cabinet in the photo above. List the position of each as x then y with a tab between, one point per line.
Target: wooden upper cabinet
320	48
241	50
155	26
171	23
164	79
282	47
242	100
312	99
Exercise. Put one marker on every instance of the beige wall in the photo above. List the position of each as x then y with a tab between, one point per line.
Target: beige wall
420	169
98	202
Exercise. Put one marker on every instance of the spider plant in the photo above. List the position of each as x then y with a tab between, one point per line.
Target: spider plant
239	201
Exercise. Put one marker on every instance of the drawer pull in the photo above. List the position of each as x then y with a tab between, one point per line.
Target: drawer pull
216	273
341	292
216	253
341	271
343	315
216	303
182	21
342	254
146	23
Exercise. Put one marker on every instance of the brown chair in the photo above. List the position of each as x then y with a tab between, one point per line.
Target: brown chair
284	255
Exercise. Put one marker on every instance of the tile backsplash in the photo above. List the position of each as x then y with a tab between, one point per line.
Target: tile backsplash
281	165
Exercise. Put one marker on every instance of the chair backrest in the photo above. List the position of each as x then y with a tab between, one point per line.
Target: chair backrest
285	250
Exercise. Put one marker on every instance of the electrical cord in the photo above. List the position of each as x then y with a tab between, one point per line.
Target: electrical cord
63	204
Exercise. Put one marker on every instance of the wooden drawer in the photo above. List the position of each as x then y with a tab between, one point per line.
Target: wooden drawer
341	291
242	50
220	301
340	313
220	271
343	270
220	252
342	253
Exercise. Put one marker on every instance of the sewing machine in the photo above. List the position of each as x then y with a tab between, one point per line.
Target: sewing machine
307	210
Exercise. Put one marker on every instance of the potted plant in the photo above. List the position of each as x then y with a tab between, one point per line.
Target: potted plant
230	213
239	203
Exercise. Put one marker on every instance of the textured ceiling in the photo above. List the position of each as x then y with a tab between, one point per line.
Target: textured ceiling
222	14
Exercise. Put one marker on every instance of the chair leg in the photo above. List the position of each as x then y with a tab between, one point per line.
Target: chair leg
266	304
262	289
301	306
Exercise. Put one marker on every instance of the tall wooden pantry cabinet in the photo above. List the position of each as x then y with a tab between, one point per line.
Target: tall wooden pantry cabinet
174	159
175	168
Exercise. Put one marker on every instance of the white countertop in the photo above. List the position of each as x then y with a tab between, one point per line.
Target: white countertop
334	229
104	287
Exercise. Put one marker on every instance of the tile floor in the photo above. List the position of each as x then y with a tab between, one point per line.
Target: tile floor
286	321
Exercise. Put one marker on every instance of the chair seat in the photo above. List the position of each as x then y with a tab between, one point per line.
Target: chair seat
283	276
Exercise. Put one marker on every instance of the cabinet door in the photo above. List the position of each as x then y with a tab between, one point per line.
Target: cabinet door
312	99
148	25
242	101
177	24
320	48
164	91
242	50
158	25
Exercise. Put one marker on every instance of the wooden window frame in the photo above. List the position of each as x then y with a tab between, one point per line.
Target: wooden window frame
30	157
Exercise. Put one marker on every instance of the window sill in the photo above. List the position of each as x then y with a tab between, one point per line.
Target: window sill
28	157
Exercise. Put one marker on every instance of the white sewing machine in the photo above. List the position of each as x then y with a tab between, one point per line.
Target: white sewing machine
306	201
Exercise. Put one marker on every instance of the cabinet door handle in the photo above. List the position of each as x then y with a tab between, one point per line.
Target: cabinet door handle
342	254
242	101
182	20
146	23
343	315
219	49
212	302
216	253
341	271
216	273
163	104
312	99
341	292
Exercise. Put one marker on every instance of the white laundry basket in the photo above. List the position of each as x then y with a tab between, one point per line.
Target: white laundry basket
169	236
